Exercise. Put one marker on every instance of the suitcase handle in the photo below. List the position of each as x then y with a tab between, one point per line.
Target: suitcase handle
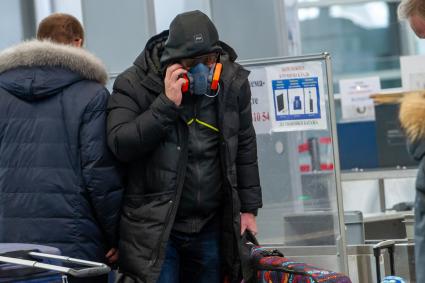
94	268
389	244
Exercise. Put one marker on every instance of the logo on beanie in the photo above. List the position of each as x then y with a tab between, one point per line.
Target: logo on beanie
198	38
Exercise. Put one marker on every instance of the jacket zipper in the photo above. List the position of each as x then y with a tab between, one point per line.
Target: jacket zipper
198	181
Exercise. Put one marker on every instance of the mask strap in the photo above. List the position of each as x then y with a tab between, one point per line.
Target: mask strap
216	93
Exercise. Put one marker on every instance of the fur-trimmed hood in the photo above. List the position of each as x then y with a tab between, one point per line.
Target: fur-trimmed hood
36	69
36	53
412	115
412	119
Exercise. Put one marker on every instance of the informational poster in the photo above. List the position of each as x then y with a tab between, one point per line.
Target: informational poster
297	97
356	103
260	101
412	72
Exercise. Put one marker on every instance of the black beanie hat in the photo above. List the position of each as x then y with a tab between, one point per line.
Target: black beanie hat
191	34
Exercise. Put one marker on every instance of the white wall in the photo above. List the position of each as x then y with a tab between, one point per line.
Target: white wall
255	29
166	10
117	31
364	195
11	30
361	196
44	8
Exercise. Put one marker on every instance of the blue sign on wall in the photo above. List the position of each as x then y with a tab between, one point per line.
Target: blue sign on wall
296	99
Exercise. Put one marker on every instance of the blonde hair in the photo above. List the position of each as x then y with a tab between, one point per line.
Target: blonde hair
408	8
61	28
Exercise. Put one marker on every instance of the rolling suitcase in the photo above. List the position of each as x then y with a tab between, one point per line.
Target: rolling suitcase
25	263
270	266
388	245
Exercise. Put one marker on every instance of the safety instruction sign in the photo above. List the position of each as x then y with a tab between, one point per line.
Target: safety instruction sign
296	95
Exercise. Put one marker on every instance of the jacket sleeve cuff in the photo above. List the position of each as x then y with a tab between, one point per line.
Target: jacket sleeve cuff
250	198
164	109
253	211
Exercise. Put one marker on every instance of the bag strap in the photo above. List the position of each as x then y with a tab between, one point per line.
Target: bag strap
248	237
247	243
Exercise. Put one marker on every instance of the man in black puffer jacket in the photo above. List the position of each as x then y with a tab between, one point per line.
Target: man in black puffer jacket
193	183
58	183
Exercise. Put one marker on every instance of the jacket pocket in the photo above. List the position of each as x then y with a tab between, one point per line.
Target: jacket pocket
142	225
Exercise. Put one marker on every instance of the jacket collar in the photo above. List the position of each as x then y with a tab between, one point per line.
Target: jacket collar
36	53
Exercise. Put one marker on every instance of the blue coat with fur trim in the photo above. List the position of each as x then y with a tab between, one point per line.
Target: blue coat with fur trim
58	183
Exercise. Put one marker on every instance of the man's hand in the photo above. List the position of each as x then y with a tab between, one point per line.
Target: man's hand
112	255
248	222
173	83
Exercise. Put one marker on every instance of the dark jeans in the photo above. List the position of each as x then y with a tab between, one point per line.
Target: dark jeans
193	258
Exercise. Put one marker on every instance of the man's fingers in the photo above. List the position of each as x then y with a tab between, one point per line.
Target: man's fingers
243	228
111	252
248	222
181	82
112	255
242	231
171	69
113	258
176	73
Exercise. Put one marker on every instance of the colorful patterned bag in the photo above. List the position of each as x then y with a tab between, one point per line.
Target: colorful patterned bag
273	267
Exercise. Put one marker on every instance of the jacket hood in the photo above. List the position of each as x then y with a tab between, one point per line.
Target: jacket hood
36	69
412	115
412	119
150	58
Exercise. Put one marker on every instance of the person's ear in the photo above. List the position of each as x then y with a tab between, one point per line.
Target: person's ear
78	42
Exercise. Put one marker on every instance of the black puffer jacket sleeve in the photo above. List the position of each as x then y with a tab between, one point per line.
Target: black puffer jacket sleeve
100	174
246	160
134	129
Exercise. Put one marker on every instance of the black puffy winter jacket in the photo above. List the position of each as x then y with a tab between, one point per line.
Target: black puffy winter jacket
146	131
